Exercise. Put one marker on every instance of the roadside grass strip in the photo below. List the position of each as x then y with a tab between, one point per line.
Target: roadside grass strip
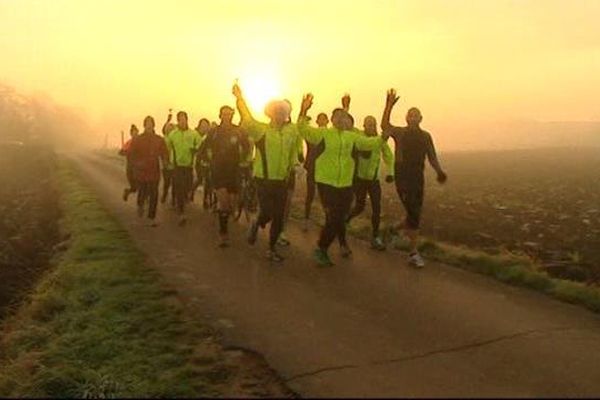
99	324
514	269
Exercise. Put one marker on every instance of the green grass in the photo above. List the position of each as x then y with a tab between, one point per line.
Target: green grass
98	324
514	269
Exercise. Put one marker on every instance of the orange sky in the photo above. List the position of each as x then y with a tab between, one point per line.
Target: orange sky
465	63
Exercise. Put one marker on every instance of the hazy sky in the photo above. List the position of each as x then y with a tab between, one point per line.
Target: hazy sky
461	61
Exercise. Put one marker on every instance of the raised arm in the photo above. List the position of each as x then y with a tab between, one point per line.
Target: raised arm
169	118
434	162
307	132
346	102
240	103
390	101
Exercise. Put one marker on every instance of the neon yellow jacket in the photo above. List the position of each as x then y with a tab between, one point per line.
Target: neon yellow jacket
276	149
369	163
183	146
335	165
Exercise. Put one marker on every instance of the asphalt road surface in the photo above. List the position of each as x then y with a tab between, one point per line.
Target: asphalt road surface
370	326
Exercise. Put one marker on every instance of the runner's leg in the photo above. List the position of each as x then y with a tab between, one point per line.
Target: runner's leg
375	196
153	199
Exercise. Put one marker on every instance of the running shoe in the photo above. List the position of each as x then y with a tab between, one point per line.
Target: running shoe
224	241
322	258
152	224
273	256
283	240
253	233
346	252
377	243
416	260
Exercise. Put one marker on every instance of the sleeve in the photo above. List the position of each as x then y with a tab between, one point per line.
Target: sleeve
388	158
197	141
431	153
255	130
366	143
164	152
308	133
300	148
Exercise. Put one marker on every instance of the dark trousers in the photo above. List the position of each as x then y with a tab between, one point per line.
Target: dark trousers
183	179
363	187
167	185
272	196
311	188
148	192
131	178
337	203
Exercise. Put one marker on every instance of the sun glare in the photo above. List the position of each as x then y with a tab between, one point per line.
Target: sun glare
259	88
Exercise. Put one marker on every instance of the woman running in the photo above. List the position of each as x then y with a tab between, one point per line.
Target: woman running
276	150
334	172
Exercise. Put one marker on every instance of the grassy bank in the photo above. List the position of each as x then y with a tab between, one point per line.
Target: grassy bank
100	324
507	267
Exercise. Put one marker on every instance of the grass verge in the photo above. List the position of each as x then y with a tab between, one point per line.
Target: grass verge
99	326
518	270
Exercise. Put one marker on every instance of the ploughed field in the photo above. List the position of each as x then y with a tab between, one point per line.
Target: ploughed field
29	213
544	203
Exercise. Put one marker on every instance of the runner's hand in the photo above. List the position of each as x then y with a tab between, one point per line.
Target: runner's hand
307	102
346	102
442	177
391	98
236	90
389	179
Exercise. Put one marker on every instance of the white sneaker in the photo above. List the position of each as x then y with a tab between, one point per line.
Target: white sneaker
416	260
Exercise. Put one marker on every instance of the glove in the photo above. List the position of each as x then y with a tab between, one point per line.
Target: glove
389	179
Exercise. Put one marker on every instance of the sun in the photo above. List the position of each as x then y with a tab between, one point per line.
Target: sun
259	87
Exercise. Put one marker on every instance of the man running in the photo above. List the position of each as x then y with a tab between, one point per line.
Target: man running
276	144
183	143
227	145
334	172
146	152
412	146
367	181
312	153
133	132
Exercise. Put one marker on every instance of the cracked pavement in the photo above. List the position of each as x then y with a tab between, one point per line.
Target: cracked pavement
370	326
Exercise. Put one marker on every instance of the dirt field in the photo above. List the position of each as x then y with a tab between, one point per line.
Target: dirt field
545	203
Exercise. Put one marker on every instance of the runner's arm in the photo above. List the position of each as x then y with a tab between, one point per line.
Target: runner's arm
386	125
433	160
366	143
388	159
164	154
169	118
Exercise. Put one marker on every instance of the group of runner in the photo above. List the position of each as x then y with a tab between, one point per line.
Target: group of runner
342	163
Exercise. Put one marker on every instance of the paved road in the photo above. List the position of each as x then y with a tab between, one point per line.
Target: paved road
370	326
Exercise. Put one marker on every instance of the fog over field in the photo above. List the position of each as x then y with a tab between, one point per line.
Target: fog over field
493	74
